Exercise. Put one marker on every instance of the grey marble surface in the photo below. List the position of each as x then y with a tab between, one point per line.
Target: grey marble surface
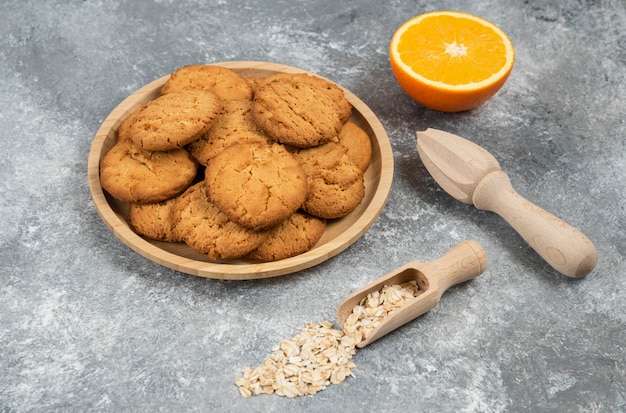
86	324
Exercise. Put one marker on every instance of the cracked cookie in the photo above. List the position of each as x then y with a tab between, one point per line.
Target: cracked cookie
335	184
134	175
333	91
154	221
207	230
256	185
295	112
294	236
172	121
224	82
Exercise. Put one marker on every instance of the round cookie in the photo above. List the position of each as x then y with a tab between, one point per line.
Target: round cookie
295	112
224	82
336	185
234	124
172	121
357	143
154	221
332	90
295	235
202	226
256	185
134	175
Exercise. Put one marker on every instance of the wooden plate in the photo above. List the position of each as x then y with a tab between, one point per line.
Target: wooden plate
338	236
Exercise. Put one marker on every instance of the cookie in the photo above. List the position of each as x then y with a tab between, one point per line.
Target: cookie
207	230
256	185
357	143
233	125
332	90
295	112
133	175
294	236
172	121
224	82
335	184
154	221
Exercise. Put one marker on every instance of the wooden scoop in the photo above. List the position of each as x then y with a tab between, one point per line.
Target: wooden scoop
472	175
463	262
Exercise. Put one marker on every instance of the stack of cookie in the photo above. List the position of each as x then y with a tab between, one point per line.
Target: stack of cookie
239	167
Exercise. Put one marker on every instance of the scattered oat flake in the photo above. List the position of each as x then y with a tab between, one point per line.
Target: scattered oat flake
318	356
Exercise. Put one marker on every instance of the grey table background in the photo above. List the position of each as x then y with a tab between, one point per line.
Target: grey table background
86	324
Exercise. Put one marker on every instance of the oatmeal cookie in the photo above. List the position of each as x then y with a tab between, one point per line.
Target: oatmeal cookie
295	112
134	175
224	82
335	184
154	221
294	236
202	226
332	90
172	121
256	185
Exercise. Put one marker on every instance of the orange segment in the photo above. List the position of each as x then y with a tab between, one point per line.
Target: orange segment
450	61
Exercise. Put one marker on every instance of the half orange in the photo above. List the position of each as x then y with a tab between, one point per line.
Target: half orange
450	61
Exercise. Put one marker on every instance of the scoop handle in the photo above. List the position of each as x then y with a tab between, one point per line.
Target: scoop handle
564	247
464	261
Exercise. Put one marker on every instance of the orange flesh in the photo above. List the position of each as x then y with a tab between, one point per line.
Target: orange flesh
467	53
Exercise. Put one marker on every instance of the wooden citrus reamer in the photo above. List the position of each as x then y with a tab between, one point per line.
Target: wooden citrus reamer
472	175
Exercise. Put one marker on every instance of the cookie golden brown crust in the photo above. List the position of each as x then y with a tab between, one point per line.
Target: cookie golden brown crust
172	121
134	175
256	185
208	231
233	125
154	221
295	112
294	236
335	184
357	143
344	108
224	82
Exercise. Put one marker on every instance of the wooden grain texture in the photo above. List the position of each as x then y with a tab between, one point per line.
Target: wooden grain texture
463	262
561	245
472	175
338	236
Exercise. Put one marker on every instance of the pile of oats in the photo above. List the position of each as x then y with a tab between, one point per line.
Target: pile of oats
318	356
321	355
374	307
